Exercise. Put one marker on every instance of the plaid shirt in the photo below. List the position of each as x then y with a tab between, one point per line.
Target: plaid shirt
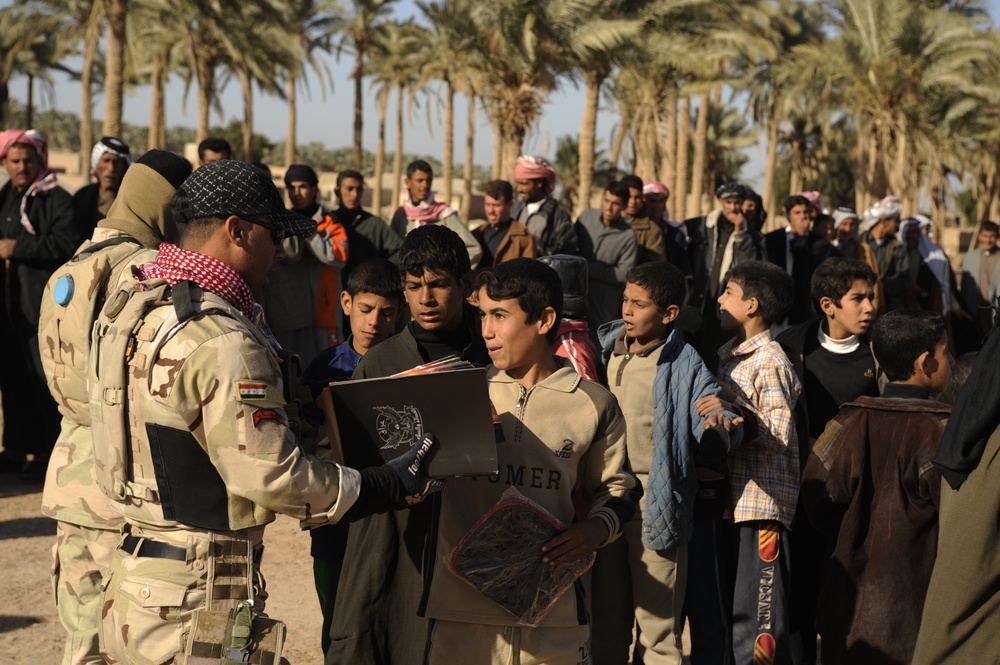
764	471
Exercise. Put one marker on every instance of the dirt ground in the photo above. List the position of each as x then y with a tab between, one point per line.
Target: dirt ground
30	632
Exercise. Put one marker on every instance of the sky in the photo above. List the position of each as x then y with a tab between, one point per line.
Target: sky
329	120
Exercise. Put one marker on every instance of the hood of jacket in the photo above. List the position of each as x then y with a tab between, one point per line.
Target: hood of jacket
142	207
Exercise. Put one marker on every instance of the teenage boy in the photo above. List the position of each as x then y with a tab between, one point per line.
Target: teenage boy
543	458
798	251
375	620
610	246
372	303
367	235
764	471
656	378
834	363
420	208
871	484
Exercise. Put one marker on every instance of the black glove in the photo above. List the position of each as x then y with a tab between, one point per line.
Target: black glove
401	482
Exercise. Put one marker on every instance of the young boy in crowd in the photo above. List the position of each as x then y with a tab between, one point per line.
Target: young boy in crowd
834	363
764	472
375	620
543	457
870	483
372	303
656	377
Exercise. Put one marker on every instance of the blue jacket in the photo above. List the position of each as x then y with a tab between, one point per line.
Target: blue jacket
681	378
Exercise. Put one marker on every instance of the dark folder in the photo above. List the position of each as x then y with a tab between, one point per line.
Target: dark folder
377	420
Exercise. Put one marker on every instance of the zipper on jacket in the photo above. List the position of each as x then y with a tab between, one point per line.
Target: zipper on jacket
519	406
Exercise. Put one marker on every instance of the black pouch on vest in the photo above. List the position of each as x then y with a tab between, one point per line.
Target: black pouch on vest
191	490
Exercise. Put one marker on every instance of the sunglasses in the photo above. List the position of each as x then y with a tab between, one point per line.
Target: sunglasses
277	235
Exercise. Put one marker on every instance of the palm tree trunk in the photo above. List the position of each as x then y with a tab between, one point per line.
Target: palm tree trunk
771	164
246	85
448	159
29	119
681	168
206	82
359	49
669	155
382	103
114	79
700	156
618	140
470	143
92	37
646	139
4	103
397	159
497	167
293	118
588	137
512	143
155	102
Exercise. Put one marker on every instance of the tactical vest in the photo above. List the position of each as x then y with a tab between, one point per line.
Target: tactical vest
72	299
147	459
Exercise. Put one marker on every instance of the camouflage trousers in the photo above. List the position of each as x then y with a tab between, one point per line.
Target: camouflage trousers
151	604
81	557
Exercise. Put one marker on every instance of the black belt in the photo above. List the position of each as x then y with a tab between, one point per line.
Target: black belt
152	549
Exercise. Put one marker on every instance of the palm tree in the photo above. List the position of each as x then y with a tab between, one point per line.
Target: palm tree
361	31
594	46
158	38
392	64
275	50
907	73
82	22
453	58
315	22
521	41
28	46
115	12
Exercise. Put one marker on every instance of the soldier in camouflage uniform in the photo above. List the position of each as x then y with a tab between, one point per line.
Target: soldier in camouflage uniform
87	530
194	442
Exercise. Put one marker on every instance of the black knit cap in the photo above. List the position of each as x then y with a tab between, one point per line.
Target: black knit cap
174	169
229	187
300	173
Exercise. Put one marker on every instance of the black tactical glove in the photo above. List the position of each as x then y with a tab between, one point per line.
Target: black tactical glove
401	482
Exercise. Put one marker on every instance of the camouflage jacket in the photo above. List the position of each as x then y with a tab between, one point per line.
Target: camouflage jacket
209	447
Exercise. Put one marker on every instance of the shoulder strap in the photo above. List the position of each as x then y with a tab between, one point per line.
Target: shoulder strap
110	242
183	303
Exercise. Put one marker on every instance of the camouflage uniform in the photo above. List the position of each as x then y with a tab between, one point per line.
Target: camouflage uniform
209	385
88	528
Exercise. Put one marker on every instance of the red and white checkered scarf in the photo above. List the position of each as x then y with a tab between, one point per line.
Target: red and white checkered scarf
46	179
177	265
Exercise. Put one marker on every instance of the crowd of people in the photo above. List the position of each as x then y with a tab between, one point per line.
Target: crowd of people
749	430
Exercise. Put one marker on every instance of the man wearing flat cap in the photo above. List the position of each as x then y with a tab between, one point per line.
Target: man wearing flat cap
720	240
192	439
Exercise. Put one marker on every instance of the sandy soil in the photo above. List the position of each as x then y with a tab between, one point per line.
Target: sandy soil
30	632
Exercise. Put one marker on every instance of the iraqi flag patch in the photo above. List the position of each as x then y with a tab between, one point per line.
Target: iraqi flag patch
252	390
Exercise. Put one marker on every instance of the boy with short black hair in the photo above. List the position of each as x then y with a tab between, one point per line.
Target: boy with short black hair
834	363
870	482
375	620
656	377
764	471
372	302
543	457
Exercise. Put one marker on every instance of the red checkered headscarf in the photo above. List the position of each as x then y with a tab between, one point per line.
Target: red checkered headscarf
174	265
46	179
